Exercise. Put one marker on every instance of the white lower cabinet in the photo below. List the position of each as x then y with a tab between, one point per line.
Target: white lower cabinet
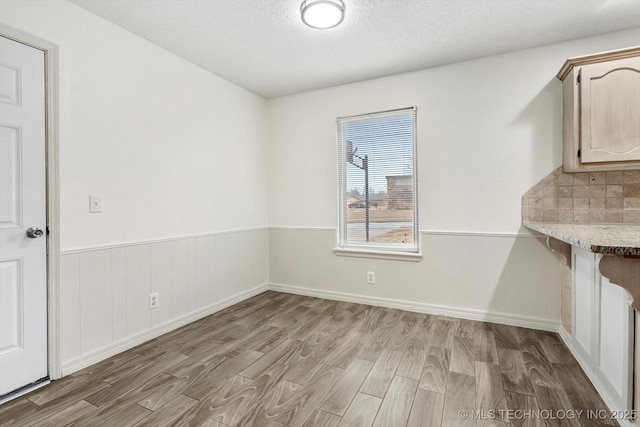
584	288
602	336
615	338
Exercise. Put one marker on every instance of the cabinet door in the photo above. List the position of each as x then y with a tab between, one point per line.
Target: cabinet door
610	111
615	342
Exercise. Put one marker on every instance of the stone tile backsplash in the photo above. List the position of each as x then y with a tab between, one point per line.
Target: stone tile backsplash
602	197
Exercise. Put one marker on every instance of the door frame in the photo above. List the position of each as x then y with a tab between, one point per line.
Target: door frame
53	194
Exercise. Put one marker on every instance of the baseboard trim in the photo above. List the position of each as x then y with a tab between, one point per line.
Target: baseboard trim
440	310
127	343
593	377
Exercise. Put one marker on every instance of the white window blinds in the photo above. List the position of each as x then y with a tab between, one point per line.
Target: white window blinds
377	181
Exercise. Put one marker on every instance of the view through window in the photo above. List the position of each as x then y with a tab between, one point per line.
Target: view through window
378	181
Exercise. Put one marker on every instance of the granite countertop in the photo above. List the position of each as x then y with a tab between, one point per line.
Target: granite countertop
617	239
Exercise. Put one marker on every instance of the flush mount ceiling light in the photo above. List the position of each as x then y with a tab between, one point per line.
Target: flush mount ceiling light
322	14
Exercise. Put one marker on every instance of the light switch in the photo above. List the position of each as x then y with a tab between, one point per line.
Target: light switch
95	204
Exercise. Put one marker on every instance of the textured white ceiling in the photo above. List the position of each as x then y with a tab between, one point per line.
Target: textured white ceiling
263	46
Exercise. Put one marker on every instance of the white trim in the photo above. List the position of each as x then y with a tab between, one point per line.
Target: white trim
163	240
53	213
301	228
593	377
375	114
428	232
53	189
347	252
419	307
364	253
481	234
127	343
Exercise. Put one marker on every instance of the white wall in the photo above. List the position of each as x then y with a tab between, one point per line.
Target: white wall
488	130
179	158
172	149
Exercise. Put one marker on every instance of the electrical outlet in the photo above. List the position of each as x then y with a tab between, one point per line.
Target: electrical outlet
154	301
371	277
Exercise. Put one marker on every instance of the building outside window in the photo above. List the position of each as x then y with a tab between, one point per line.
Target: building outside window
377	168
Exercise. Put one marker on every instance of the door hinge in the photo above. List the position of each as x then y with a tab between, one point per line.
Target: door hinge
579	154
579	79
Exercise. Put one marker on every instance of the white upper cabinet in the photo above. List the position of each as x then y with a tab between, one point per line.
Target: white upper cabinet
601	106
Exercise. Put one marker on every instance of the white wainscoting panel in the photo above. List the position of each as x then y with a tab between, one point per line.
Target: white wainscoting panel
119	292
512	279
96	302
69	306
105	291
162	281
192	277
138	273
180	302
202	270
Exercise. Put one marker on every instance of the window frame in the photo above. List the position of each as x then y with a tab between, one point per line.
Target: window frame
385	251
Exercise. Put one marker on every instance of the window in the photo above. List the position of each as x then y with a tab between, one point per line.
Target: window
378	200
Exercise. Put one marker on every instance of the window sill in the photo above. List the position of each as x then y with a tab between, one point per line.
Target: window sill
362	253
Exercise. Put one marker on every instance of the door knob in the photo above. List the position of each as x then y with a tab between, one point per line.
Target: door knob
34	232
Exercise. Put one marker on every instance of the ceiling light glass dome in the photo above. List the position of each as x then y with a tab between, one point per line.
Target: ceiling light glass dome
322	14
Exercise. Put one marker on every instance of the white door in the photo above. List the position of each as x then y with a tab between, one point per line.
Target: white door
23	277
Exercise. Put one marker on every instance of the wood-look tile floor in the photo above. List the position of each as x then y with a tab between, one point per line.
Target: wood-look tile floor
279	359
